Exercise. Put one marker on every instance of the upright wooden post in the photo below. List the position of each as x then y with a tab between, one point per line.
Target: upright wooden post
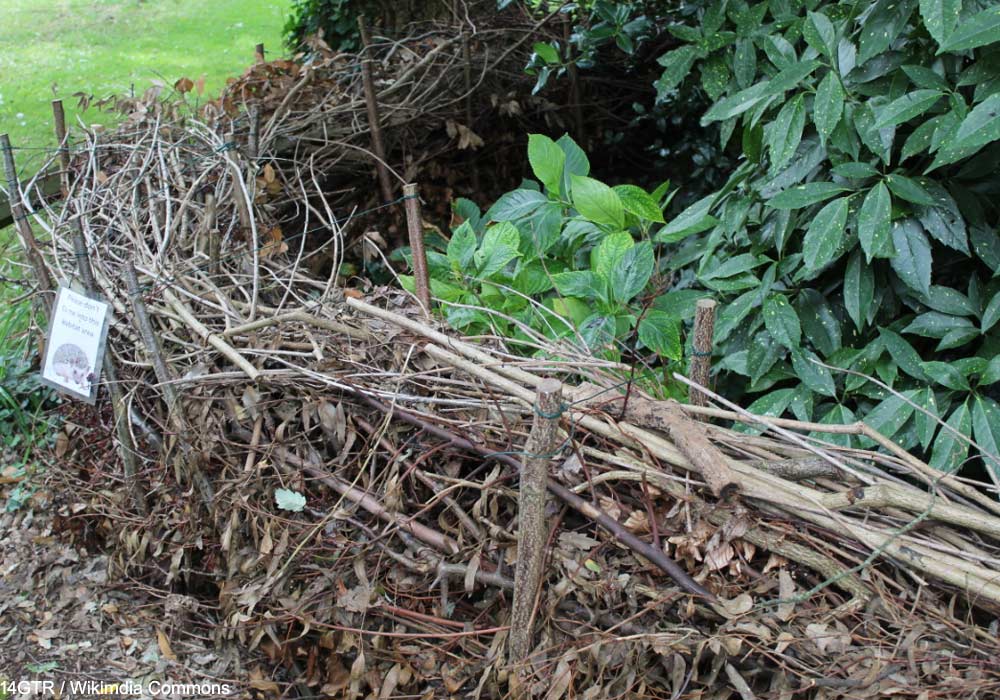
574	83
25	234
701	345
532	534
175	414
212	232
253	139
415	227
126	447
374	123
59	117
258	53
467	61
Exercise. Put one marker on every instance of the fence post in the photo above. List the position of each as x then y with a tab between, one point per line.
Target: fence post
175	411
59	117
126	447
27	237
415	227
574	82
253	139
532	532
467	65
371	102
701	360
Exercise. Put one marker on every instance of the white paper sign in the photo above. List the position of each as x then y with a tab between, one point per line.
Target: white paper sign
75	348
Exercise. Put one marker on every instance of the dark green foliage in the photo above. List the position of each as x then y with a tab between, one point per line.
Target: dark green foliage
23	399
336	19
860	231
614	43
569	259
857	233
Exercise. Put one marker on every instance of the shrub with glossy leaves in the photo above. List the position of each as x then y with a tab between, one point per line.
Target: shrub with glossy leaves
566	257
859	234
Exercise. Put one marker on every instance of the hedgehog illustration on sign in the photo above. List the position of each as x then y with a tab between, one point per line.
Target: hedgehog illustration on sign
69	362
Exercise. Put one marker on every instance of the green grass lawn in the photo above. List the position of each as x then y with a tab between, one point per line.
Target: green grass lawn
52	48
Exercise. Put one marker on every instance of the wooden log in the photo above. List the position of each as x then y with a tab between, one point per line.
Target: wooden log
415	228
701	360
374	122
532	532
59	118
149	339
689	437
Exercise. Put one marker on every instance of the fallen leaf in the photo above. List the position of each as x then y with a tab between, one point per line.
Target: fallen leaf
164	644
739	605
258	682
786	590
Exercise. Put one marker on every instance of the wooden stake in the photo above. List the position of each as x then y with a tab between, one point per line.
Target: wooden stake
27	237
415	227
467	60
214	247
175	413
701	362
371	101
150	340
258	53
532	532
253	140
59	117
574	84
126	448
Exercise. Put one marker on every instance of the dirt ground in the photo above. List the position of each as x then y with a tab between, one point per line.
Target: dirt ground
68	631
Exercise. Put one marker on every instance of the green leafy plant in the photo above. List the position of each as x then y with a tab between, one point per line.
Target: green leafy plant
859	234
335	20
623	24
567	257
23	399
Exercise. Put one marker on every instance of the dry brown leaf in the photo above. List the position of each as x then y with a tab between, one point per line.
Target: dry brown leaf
62	444
467	138
737	606
637	522
786	589
355	599
184	85
259	682
719	557
164	644
274	243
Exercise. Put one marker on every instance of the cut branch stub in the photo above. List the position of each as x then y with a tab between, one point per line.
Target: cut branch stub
415	228
701	360
59	118
374	121
542	444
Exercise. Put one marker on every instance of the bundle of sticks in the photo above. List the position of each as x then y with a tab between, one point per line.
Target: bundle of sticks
336	476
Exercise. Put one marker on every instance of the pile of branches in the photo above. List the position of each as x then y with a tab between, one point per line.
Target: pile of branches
327	475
